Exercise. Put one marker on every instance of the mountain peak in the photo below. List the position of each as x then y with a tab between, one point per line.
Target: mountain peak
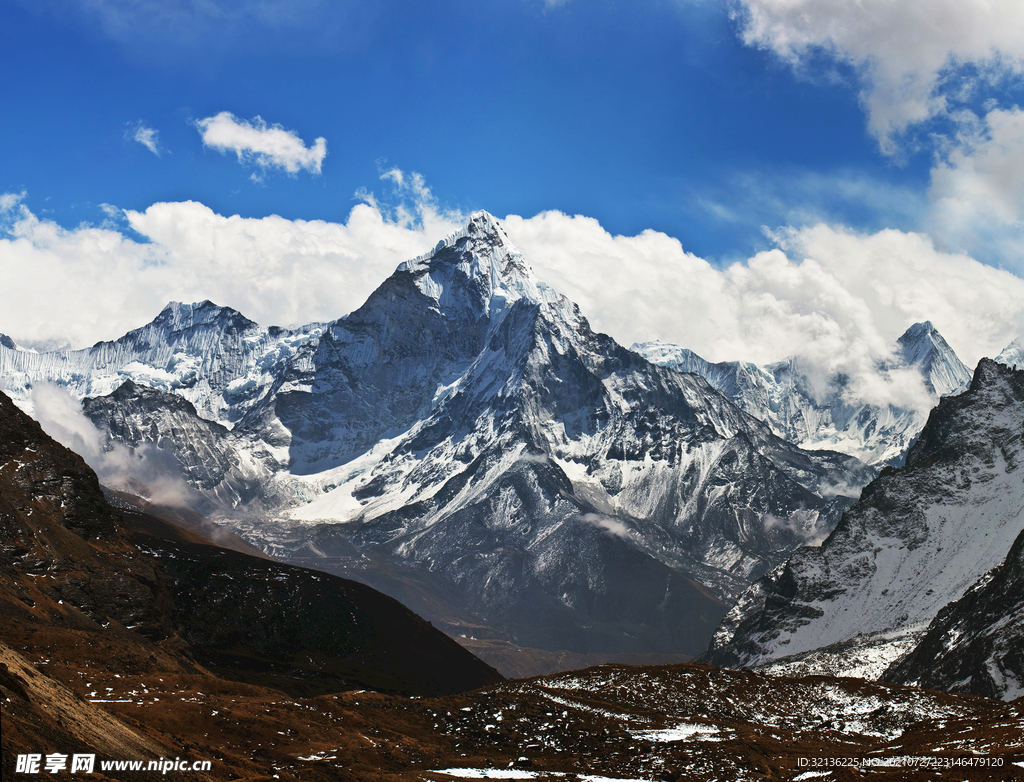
179	315
922	346
1013	354
480	255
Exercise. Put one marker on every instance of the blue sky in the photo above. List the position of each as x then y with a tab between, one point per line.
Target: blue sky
678	140
635	114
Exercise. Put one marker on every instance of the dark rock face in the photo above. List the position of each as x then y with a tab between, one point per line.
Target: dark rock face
61	538
919	537
975	645
71	563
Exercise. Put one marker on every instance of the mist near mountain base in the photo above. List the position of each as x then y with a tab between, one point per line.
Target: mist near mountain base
148	471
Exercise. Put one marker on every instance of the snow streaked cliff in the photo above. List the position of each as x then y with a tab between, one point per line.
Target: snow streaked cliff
213	356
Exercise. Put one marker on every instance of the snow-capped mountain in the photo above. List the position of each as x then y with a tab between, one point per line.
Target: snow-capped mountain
467	427
214	357
919	537
784	396
1013	354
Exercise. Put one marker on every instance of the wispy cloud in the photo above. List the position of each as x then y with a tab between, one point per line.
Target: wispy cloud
147	470
148	137
10	200
608	524
267	146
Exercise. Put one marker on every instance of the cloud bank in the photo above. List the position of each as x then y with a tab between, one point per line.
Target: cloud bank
836	298
833	297
268	146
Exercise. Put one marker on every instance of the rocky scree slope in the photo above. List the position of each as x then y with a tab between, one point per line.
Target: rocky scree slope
919	538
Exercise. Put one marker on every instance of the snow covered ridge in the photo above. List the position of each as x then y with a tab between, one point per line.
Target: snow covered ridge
1013	354
919	538
213	356
785	397
974	645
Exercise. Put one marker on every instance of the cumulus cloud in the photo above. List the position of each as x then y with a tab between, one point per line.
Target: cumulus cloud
148	137
904	50
917	62
92	283
978	191
268	146
148	471
835	298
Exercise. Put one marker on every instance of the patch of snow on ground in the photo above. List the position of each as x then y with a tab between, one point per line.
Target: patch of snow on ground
494	773
678	733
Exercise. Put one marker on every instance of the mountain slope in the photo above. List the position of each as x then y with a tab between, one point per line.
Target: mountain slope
793	404
573	490
213	356
77	572
976	644
918	538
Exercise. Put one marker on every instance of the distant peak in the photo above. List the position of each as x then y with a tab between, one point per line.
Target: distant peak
918	331
181	315
1013	354
922	346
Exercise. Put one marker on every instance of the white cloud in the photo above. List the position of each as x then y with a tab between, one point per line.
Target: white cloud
905	51
10	200
836	298
978	191
94	283
148	137
833	297
267	146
